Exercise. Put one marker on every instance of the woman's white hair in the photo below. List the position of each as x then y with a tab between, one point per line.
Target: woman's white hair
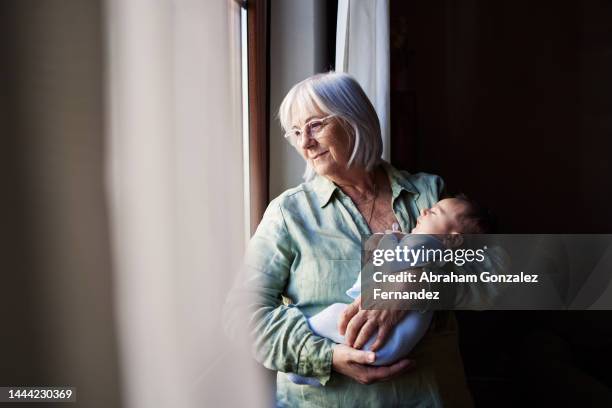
337	94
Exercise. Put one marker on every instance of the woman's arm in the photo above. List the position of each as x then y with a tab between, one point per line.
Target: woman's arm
282	338
280	334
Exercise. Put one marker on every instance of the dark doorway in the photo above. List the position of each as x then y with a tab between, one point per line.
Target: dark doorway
511	103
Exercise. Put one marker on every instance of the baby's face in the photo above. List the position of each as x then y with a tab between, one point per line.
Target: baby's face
442	218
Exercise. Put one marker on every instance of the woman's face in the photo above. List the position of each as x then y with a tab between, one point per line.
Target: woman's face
329	153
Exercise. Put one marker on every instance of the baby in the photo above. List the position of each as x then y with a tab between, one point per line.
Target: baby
447	219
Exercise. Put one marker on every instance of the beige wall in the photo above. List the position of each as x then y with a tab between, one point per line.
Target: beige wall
297	50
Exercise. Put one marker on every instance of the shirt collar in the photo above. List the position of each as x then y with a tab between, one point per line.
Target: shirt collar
399	182
325	188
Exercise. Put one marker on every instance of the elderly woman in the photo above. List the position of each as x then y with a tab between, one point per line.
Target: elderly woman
306	253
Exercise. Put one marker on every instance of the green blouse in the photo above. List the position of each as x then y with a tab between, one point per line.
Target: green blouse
303	257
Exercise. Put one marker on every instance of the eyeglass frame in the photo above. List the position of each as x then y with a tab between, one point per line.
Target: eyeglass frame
290	134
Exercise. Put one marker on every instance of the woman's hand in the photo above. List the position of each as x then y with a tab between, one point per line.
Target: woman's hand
354	363
359	325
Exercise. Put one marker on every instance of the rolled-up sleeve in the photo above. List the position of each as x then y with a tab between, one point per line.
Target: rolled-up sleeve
282	338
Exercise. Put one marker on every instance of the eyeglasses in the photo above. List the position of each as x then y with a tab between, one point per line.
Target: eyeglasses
310	129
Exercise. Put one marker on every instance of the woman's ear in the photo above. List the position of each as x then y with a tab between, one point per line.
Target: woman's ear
454	240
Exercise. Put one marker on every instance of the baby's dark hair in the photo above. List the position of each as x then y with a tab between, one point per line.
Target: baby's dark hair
476	219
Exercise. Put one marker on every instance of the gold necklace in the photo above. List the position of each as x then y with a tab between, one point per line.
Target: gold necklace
366	201
374	203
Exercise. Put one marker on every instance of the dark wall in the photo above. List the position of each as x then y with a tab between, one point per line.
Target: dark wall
511	103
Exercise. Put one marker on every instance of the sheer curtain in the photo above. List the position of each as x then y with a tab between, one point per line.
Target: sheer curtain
175	181
362	50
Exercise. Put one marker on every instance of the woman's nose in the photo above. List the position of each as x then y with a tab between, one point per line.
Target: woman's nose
305	142
423	212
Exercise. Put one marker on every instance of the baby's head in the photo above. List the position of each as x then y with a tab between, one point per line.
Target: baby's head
456	215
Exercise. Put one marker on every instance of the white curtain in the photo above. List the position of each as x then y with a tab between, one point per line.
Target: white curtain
362	50
176	199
